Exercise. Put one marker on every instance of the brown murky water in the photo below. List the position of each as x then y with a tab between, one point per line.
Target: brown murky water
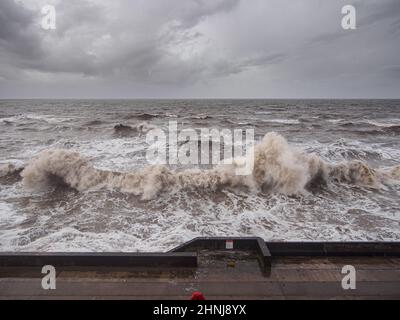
110	135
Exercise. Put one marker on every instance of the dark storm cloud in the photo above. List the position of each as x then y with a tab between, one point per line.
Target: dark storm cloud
17	36
81	25
23	42
199	48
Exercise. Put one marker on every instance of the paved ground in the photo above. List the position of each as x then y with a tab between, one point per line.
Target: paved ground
220	275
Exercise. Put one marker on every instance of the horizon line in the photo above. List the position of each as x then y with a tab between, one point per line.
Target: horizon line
196	98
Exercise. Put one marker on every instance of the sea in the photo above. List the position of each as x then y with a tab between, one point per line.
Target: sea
75	176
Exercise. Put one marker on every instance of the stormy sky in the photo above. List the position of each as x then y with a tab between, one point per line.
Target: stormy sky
199	49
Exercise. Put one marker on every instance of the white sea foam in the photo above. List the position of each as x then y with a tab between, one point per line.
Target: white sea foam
282	121
277	168
24	118
387	124
346	200
334	120
8	216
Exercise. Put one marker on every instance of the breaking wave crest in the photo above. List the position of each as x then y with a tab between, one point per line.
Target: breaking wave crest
277	168
125	130
10	173
9	169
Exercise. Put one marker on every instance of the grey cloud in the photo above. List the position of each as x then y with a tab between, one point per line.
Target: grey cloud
17	30
196	47
134	59
329	37
392	71
200	9
264	60
224	67
367	14
379	10
28	47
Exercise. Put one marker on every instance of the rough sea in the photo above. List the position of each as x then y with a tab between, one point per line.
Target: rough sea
74	174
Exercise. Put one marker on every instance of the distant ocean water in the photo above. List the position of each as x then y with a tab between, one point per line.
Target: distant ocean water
91	156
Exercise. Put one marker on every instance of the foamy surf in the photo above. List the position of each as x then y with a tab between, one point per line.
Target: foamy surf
278	168
357	201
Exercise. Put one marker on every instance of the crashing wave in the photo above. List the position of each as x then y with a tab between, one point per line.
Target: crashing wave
277	168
